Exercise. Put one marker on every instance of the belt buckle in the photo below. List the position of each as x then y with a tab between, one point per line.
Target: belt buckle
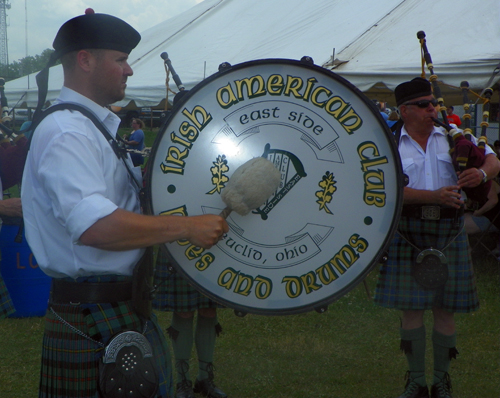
431	213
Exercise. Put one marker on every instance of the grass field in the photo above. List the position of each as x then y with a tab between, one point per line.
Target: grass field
350	351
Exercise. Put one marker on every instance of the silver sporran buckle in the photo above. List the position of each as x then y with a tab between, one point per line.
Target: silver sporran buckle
128	368
431	213
430	269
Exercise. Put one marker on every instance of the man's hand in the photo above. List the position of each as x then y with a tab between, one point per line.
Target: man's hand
206	230
448	196
470	178
11	207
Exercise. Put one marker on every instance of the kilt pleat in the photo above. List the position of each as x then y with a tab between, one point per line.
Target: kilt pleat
174	293
70	362
396	287
6	304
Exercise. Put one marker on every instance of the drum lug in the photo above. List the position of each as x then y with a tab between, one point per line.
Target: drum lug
239	313
307	60
321	310
171	269
224	66
383	258
406	180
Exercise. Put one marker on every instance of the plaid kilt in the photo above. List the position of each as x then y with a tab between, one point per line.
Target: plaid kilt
70	362
6	305
396	287
174	293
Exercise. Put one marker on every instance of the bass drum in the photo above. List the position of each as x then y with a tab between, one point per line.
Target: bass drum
337	206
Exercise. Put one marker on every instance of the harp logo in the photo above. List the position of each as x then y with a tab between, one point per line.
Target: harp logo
291	170
289	165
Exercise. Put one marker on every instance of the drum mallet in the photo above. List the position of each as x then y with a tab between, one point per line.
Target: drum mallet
250	186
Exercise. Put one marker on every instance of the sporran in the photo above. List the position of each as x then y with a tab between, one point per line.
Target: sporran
430	269
127	368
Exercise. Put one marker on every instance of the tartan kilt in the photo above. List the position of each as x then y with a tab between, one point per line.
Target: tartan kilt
174	293
70	362
6	305
396	287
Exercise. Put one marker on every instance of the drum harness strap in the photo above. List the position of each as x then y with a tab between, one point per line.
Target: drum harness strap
117	143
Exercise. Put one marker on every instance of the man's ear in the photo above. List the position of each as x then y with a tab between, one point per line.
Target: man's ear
402	111
85	60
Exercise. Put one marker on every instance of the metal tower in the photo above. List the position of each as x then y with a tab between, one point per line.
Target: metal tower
4	50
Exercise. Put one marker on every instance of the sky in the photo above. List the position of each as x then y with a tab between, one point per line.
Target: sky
33	24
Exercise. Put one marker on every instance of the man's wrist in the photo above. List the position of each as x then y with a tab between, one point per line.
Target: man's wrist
485	176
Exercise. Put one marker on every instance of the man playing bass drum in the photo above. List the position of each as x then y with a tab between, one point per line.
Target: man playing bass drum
430	237
83	221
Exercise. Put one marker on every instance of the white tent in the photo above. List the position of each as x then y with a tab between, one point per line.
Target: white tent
375	40
462	37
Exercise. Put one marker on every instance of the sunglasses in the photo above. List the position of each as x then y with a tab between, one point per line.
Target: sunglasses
423	103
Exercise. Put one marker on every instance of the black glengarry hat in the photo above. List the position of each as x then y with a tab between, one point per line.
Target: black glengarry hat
95	31
89	31
415	88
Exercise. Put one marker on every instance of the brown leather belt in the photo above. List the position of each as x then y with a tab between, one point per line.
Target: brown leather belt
431	212
67	292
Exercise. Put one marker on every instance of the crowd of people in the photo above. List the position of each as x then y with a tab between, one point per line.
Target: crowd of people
85	227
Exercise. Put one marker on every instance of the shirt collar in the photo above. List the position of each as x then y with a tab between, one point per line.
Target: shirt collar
436	130
104	114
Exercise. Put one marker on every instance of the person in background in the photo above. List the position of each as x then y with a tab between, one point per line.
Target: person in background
496	148
83	222
136	141
432	204
8	208
453	118
392	119
176	295
477	221
381	108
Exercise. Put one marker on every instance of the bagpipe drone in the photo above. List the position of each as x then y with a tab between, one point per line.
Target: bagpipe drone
464	153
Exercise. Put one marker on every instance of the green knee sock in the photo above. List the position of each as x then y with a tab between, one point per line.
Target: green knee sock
413	345
205	344
181	331
443	346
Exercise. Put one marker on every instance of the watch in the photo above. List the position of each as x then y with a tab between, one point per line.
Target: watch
485	177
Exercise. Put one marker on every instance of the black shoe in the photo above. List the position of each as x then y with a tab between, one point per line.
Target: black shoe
442	389
207	388
414	390
184	389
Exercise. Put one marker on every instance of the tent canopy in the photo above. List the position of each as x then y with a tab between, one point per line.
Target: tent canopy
371	44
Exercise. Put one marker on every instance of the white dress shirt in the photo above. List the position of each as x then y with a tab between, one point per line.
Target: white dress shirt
72	178
430	169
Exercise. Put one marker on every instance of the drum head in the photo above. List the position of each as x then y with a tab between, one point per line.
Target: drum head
337	205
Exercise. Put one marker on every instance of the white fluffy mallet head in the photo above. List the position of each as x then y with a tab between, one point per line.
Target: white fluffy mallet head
250	186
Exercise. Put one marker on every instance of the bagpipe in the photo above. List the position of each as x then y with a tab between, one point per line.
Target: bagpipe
13	147
464	152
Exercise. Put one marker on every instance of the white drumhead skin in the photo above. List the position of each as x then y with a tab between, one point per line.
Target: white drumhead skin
339	198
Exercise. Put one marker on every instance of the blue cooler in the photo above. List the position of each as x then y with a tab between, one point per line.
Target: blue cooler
28	286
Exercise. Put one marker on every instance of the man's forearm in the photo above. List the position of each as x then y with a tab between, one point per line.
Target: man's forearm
11	207
124	230
491	166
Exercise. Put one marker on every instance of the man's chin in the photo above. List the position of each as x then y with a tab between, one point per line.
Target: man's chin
119	96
